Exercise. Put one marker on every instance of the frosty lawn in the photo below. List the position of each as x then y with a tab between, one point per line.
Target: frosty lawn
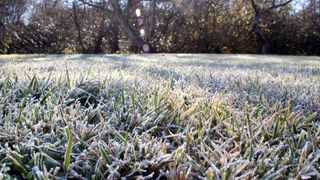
159	116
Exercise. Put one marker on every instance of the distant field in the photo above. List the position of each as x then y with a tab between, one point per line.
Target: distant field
159	117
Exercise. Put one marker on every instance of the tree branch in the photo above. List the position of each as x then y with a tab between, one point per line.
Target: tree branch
254	5
95	5
275	6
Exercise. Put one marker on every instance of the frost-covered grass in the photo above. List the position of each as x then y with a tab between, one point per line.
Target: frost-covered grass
159	117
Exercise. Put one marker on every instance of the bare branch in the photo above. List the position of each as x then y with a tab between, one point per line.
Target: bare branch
95	5
254	5
275	6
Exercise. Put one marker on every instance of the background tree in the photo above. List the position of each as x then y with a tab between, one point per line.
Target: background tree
11	19
262	7
118	11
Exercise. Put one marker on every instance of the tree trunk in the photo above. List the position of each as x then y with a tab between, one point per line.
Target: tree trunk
101	33
98	45
77	24
114	38
255	27
2	37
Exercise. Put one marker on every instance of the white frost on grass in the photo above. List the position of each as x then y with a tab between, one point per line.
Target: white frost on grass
166	114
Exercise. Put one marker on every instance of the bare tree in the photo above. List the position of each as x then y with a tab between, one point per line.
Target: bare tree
77	24
259	10
117	11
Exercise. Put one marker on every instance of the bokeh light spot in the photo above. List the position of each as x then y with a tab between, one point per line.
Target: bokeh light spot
146	48
142	32
138	12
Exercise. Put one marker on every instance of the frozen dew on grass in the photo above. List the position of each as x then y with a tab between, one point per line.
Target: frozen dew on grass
159	116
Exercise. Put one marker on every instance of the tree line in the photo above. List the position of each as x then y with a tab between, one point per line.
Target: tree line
150	26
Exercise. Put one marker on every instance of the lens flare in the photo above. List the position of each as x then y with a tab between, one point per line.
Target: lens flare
142	32
146	48
138	12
